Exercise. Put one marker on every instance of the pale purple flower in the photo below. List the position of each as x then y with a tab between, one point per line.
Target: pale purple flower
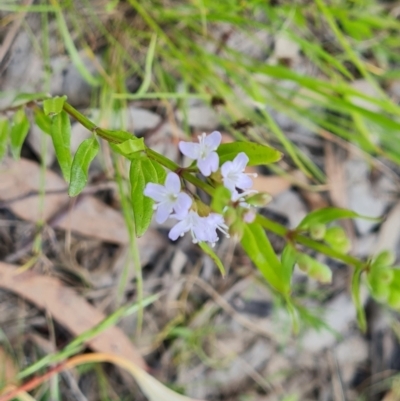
214	222
191	222
202	229
233	174
169	198
203	152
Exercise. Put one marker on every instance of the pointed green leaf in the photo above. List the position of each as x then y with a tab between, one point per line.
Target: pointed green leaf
355	293
288	260
4	132
24	98
257	246
258	154
208	250
42	121
54	105
130	148
19	131
86	152
328	214
142	171
61	137
160	171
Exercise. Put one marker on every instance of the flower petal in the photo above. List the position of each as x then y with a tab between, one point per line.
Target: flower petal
182	205
213	161
213	140
241	161
226	168
244	182
190	149
173	183
204	167
229	183
155	191
164	210
178	229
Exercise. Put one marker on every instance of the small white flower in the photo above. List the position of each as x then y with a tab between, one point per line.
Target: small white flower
233	174
202	229
214	222
169	198
203	152
191	222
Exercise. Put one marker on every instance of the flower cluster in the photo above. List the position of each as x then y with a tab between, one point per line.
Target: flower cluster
193	216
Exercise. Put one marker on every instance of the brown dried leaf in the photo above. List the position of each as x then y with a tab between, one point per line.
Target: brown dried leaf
19	185
69	309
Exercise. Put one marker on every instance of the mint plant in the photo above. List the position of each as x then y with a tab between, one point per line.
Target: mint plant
159	185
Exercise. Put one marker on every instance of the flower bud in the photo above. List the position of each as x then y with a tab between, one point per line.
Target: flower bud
304	262
216	176
317	231
394	299
259	200
321	273
385	258
386	275
230	216
380	291
249	216
337	239
201	208
379	275
379	280
236	230
316	270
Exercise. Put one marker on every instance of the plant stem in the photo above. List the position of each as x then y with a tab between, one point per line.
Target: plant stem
282	231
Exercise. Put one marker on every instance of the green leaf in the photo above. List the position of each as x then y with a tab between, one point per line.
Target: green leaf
130	148
161	173
257	246
54	105
221	199
208	250
142	171
42	121
117	136
257	153
355	293
61	137
328	214
24	98
19	131
86	152
4	132
288	260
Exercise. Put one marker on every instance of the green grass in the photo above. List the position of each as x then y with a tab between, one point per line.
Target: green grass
167	46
